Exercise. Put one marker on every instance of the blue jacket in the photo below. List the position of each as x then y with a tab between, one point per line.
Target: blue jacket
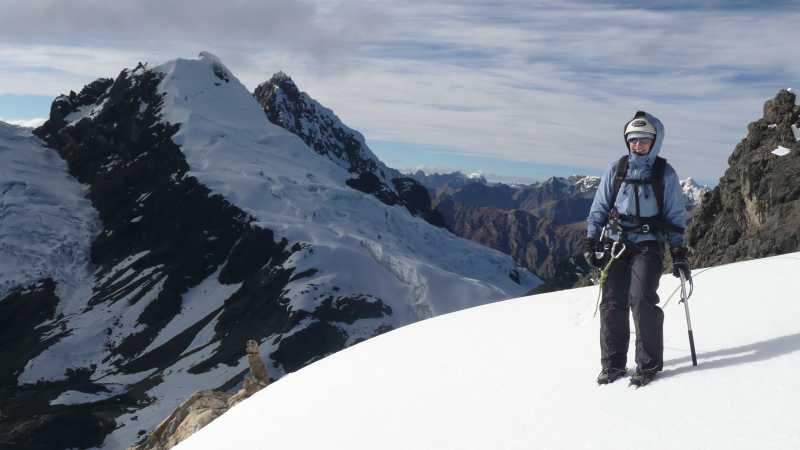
640	167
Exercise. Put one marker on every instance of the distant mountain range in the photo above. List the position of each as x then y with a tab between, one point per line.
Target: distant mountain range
541	224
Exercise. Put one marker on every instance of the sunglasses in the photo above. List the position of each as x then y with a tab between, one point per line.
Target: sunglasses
640	141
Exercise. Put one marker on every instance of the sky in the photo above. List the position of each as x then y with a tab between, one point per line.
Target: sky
516	90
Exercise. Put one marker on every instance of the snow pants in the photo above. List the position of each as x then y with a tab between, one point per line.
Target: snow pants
631	285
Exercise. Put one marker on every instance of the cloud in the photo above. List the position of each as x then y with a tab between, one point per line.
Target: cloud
531	81
319	30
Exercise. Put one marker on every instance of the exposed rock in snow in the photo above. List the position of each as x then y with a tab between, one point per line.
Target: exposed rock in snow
286	106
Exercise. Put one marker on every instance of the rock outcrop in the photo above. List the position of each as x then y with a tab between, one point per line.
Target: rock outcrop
755	210
204	406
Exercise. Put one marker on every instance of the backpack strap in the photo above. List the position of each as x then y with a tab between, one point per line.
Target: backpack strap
657	179
619	176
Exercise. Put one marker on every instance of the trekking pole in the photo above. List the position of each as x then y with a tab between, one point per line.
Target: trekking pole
685	301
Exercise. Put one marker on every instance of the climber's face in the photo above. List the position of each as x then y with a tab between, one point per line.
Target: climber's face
640	146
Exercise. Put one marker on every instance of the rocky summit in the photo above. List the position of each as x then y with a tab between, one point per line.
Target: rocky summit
755	209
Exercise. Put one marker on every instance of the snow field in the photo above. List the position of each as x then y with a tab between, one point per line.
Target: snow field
520	374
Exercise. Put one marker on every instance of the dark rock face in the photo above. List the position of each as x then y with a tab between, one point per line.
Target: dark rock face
289	108
20	339
163	234
295	111
755	210
417	200
26	319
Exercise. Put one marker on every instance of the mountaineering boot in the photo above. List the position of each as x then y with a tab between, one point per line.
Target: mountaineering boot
610	375
642	377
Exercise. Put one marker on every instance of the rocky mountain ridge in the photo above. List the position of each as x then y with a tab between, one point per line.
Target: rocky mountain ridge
754	211
294	110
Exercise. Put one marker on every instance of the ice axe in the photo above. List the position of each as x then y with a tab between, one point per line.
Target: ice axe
685	301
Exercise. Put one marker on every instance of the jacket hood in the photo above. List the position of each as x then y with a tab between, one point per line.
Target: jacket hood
650	158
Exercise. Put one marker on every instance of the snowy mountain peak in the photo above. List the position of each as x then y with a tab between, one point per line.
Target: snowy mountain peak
283	82
436	181
585	183
205	89
693	192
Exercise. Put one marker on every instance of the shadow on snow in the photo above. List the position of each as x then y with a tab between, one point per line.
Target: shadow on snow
758	351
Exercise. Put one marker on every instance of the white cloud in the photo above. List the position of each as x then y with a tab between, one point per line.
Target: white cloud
544	82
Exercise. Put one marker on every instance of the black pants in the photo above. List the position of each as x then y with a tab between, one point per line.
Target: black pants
631	285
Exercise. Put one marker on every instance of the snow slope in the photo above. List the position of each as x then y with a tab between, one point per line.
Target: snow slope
46	224
520	374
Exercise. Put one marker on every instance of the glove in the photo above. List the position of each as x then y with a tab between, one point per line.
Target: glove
589	249
680	263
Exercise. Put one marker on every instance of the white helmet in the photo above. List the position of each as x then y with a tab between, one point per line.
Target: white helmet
640	127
